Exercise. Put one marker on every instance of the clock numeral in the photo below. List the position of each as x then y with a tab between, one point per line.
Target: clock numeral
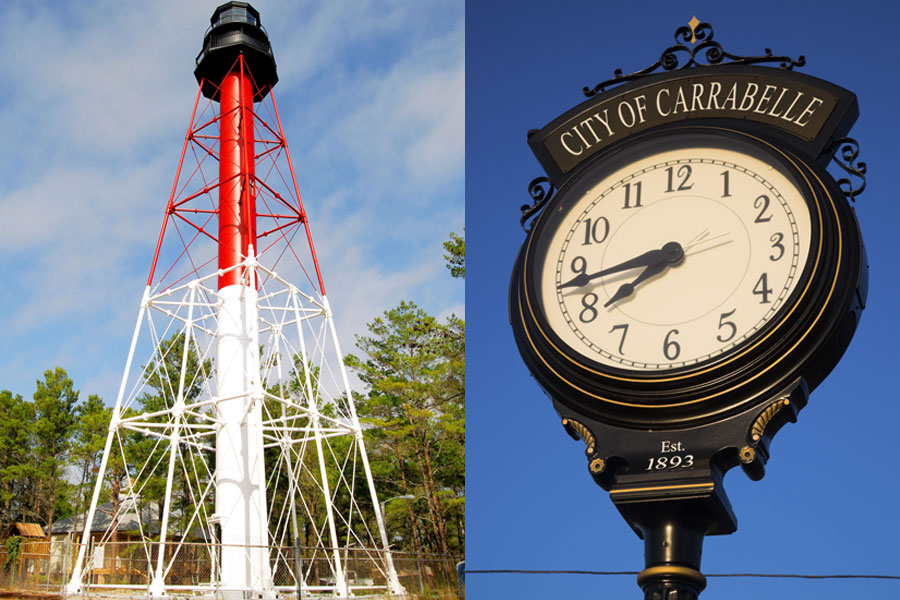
728	324
588	313
591	230
637	196
579	265
776	243
624	328
725	193
671	349
762	202
762	288
684	171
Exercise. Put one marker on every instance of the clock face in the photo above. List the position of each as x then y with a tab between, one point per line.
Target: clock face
674	257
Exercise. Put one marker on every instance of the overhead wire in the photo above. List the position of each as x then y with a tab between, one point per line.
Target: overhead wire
708	575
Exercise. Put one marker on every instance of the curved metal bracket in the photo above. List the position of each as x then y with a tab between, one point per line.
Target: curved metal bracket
540	196
753	456
845	151
703	51
759	425
578	430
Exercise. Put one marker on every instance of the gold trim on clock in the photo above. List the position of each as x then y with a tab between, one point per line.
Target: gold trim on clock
656	488
759	425
583	432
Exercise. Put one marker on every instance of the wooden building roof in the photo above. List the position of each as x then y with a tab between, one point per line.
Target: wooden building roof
27	530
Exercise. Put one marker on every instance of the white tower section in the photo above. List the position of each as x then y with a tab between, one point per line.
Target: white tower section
240	473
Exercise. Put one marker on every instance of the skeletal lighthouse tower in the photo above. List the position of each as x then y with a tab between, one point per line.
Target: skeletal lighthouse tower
235	462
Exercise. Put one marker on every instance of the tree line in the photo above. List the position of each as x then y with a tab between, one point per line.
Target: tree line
412	364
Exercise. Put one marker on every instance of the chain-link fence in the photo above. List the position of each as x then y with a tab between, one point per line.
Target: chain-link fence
124	563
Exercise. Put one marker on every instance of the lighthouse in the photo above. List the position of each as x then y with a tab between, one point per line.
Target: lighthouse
235	452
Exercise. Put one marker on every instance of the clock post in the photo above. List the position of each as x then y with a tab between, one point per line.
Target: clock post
691	273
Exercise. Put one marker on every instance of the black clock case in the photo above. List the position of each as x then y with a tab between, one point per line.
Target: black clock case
747	409
807	343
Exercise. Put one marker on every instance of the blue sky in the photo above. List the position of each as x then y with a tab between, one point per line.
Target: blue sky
828	501
97	99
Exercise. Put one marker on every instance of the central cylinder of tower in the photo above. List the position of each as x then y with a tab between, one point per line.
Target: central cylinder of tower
236	45
237	200
241	506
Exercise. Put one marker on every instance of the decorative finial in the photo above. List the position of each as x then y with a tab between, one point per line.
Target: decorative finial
693	23
704	51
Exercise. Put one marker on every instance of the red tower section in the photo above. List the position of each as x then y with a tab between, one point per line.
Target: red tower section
244	137
237	202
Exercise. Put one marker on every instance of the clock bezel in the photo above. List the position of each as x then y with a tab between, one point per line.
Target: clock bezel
781	350
569	210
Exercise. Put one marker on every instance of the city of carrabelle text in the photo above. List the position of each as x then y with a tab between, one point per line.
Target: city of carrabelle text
788	105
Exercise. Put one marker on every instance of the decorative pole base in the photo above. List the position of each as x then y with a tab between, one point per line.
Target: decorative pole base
671	582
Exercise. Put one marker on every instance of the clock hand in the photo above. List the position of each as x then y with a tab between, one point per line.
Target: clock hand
672	253
652	257
626	289
704	239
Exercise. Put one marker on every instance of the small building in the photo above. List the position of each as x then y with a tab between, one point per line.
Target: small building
130	558
25	530
133	518
32	553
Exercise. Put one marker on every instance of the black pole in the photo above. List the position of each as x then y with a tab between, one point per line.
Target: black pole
672	553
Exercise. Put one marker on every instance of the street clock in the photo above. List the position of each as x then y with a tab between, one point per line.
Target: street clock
691	272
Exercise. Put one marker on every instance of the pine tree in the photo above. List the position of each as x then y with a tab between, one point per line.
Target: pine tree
16	467
55	401
414	372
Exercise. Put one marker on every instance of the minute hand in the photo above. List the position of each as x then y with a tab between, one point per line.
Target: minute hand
646	259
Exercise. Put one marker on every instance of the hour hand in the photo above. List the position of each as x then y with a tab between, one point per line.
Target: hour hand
626	289
670	254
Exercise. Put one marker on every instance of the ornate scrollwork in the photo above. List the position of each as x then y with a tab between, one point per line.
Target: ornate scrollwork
703	51
583	432
540	196
845	152
759	425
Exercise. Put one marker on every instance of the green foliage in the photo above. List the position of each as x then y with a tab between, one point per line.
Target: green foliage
37	444
87	448
55	402
13	545
416	378
456	255
164	374
17	462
